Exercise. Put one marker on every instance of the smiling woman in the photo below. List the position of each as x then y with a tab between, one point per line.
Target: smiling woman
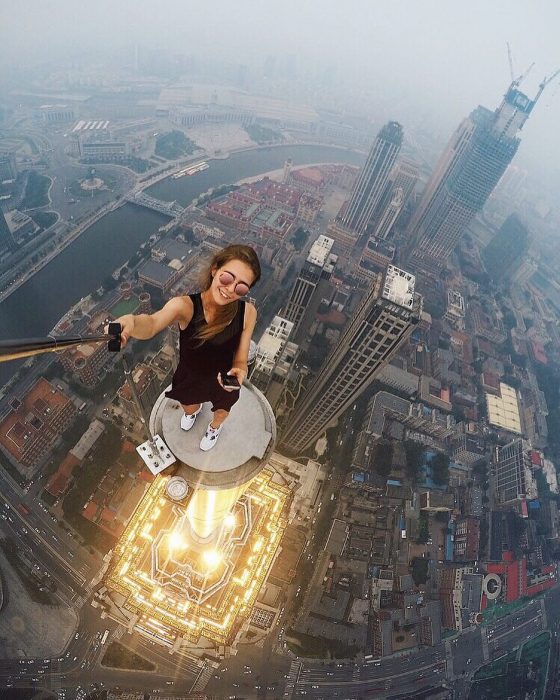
215	327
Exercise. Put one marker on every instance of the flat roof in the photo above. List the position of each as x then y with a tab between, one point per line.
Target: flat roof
503	410
319	252
399	287
156	271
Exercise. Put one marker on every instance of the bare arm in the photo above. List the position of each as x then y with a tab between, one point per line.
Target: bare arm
239	365
145	326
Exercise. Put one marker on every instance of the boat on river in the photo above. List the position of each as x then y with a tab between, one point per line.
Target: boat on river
191	170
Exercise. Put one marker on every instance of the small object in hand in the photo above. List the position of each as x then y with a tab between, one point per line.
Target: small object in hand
230	380
114	344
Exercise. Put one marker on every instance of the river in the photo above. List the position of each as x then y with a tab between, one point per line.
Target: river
36	306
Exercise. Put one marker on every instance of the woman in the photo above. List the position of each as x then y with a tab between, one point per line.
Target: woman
216	326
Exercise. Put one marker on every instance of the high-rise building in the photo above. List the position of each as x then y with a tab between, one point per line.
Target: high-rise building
371	182
403	176
269	349
382	322
505	252
318	265
514	475
390	214
201	542
471	166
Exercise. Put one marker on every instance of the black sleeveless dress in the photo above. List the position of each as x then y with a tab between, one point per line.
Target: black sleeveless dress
195	379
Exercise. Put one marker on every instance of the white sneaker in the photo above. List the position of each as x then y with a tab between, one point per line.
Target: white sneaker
210	437
187	421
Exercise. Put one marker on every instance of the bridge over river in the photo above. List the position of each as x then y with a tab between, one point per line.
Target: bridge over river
144	200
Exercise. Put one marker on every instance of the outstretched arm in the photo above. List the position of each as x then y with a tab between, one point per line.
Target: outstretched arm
145	326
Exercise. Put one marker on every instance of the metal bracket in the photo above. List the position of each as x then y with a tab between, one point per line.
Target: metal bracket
156	455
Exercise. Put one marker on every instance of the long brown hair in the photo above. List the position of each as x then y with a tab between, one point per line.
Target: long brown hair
225	314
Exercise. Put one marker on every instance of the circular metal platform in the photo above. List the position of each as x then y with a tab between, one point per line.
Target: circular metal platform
242	450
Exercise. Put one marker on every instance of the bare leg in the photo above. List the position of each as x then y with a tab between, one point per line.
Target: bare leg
220	415
192	408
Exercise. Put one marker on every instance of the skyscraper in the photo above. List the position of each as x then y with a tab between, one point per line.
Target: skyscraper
372	180
383	321
470	167
199	546
503	255
403	177
390	214
514	475
318	265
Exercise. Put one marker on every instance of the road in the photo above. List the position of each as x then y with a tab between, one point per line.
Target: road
445	662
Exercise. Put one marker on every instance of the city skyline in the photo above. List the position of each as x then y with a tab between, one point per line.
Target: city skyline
465	176
381	513
399	30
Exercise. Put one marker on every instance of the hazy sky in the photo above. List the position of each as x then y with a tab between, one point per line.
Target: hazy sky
439	57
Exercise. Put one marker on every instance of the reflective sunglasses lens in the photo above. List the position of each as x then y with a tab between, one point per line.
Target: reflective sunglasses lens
241	289
226	278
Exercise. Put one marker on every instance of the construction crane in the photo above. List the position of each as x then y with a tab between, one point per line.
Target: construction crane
521	78
510	60
545	82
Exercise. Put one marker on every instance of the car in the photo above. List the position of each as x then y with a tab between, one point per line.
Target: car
77	635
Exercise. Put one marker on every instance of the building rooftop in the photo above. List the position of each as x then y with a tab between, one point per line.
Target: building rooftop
399	287
88	439
158	272
320	250
503	410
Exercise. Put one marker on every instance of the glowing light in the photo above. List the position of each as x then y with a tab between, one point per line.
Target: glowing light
177	541
229	521
212	558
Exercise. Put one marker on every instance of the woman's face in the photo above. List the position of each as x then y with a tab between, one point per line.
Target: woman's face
230	282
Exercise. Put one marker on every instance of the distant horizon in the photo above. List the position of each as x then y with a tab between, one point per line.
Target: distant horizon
395	59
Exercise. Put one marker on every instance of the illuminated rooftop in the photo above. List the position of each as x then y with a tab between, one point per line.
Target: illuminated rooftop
174	589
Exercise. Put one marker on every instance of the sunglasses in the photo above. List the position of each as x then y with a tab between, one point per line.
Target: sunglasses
226	278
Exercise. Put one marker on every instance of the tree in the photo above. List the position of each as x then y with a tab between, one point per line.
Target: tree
299	238
109	283
440	468
420	570
382	457
414	452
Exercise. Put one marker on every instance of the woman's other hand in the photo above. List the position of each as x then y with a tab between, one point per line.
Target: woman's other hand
236	372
